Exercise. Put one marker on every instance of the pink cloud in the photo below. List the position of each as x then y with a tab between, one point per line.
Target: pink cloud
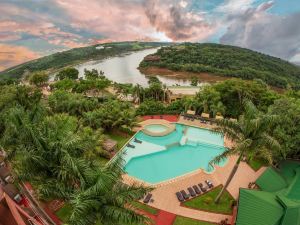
119	20
11	55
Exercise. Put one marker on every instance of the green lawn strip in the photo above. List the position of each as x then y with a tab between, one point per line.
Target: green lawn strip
119	138
187	221
256	164
145	208
64	213
206	202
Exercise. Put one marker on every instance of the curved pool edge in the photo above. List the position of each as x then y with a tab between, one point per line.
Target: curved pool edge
170	127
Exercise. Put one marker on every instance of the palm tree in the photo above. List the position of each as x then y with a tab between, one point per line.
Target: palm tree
106	200
250	135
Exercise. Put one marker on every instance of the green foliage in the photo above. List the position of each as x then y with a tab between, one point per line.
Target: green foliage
72	103
150	107
250	133
227	61
287	129
106	199
187	221
111	115
194	81
68	73
205	202
70	57
93	74
38	78
145	208
227	97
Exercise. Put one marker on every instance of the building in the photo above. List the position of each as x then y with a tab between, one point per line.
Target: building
177	93
5	175
11	213
278	200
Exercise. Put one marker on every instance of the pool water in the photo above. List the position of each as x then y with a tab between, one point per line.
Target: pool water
185	150
156	128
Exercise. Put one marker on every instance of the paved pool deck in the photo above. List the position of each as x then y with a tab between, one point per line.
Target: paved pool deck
164	193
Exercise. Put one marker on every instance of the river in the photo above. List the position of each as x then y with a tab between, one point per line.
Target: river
123	69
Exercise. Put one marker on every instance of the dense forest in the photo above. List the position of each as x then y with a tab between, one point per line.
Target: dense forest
225	60
70	57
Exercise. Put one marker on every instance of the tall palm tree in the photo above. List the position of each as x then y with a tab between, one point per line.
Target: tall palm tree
106	200
250	135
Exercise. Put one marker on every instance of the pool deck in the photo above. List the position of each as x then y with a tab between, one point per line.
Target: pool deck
164	193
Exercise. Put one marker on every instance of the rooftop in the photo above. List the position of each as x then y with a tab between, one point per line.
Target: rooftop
278	201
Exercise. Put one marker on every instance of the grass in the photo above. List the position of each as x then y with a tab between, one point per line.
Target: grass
256	164
119	138
64	213
187	221
206	202
145	208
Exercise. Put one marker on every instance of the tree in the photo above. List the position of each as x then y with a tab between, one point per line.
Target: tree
194	81
68	73
209	101
250	135
110	115
287	129
75	104
106	199
93	74
38	78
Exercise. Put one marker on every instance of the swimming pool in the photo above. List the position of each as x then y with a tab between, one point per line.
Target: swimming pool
184	150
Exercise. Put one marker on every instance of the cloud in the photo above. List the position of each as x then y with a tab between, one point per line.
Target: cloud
259	30
177	23
11	55
137	20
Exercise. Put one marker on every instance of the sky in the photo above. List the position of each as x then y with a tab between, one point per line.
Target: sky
33	28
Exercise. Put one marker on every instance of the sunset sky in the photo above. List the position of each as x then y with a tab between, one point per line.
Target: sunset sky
34	28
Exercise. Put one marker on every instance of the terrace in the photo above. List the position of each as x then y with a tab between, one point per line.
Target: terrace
164	197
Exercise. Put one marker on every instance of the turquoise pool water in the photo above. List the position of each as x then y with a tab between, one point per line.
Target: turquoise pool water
156	128
184	150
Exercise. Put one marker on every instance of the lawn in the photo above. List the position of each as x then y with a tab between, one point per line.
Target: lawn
64	213
206	202
187	221
119	138
145	208
256	164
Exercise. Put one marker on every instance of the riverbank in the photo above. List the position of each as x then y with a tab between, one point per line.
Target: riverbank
203	77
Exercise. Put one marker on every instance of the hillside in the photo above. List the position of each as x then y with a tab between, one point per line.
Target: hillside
226	61
76	55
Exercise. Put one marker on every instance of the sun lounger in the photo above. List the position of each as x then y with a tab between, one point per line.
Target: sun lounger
130	146
179	197
191	191
197	190
209	183
203	189
137	141
184	194
147	198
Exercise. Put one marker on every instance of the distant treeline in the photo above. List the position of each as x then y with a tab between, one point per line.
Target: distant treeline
61	59
226	61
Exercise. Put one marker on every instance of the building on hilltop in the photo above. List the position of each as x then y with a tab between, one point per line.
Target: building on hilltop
278	200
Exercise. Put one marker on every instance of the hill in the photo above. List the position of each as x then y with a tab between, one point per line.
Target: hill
226	61
61	59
